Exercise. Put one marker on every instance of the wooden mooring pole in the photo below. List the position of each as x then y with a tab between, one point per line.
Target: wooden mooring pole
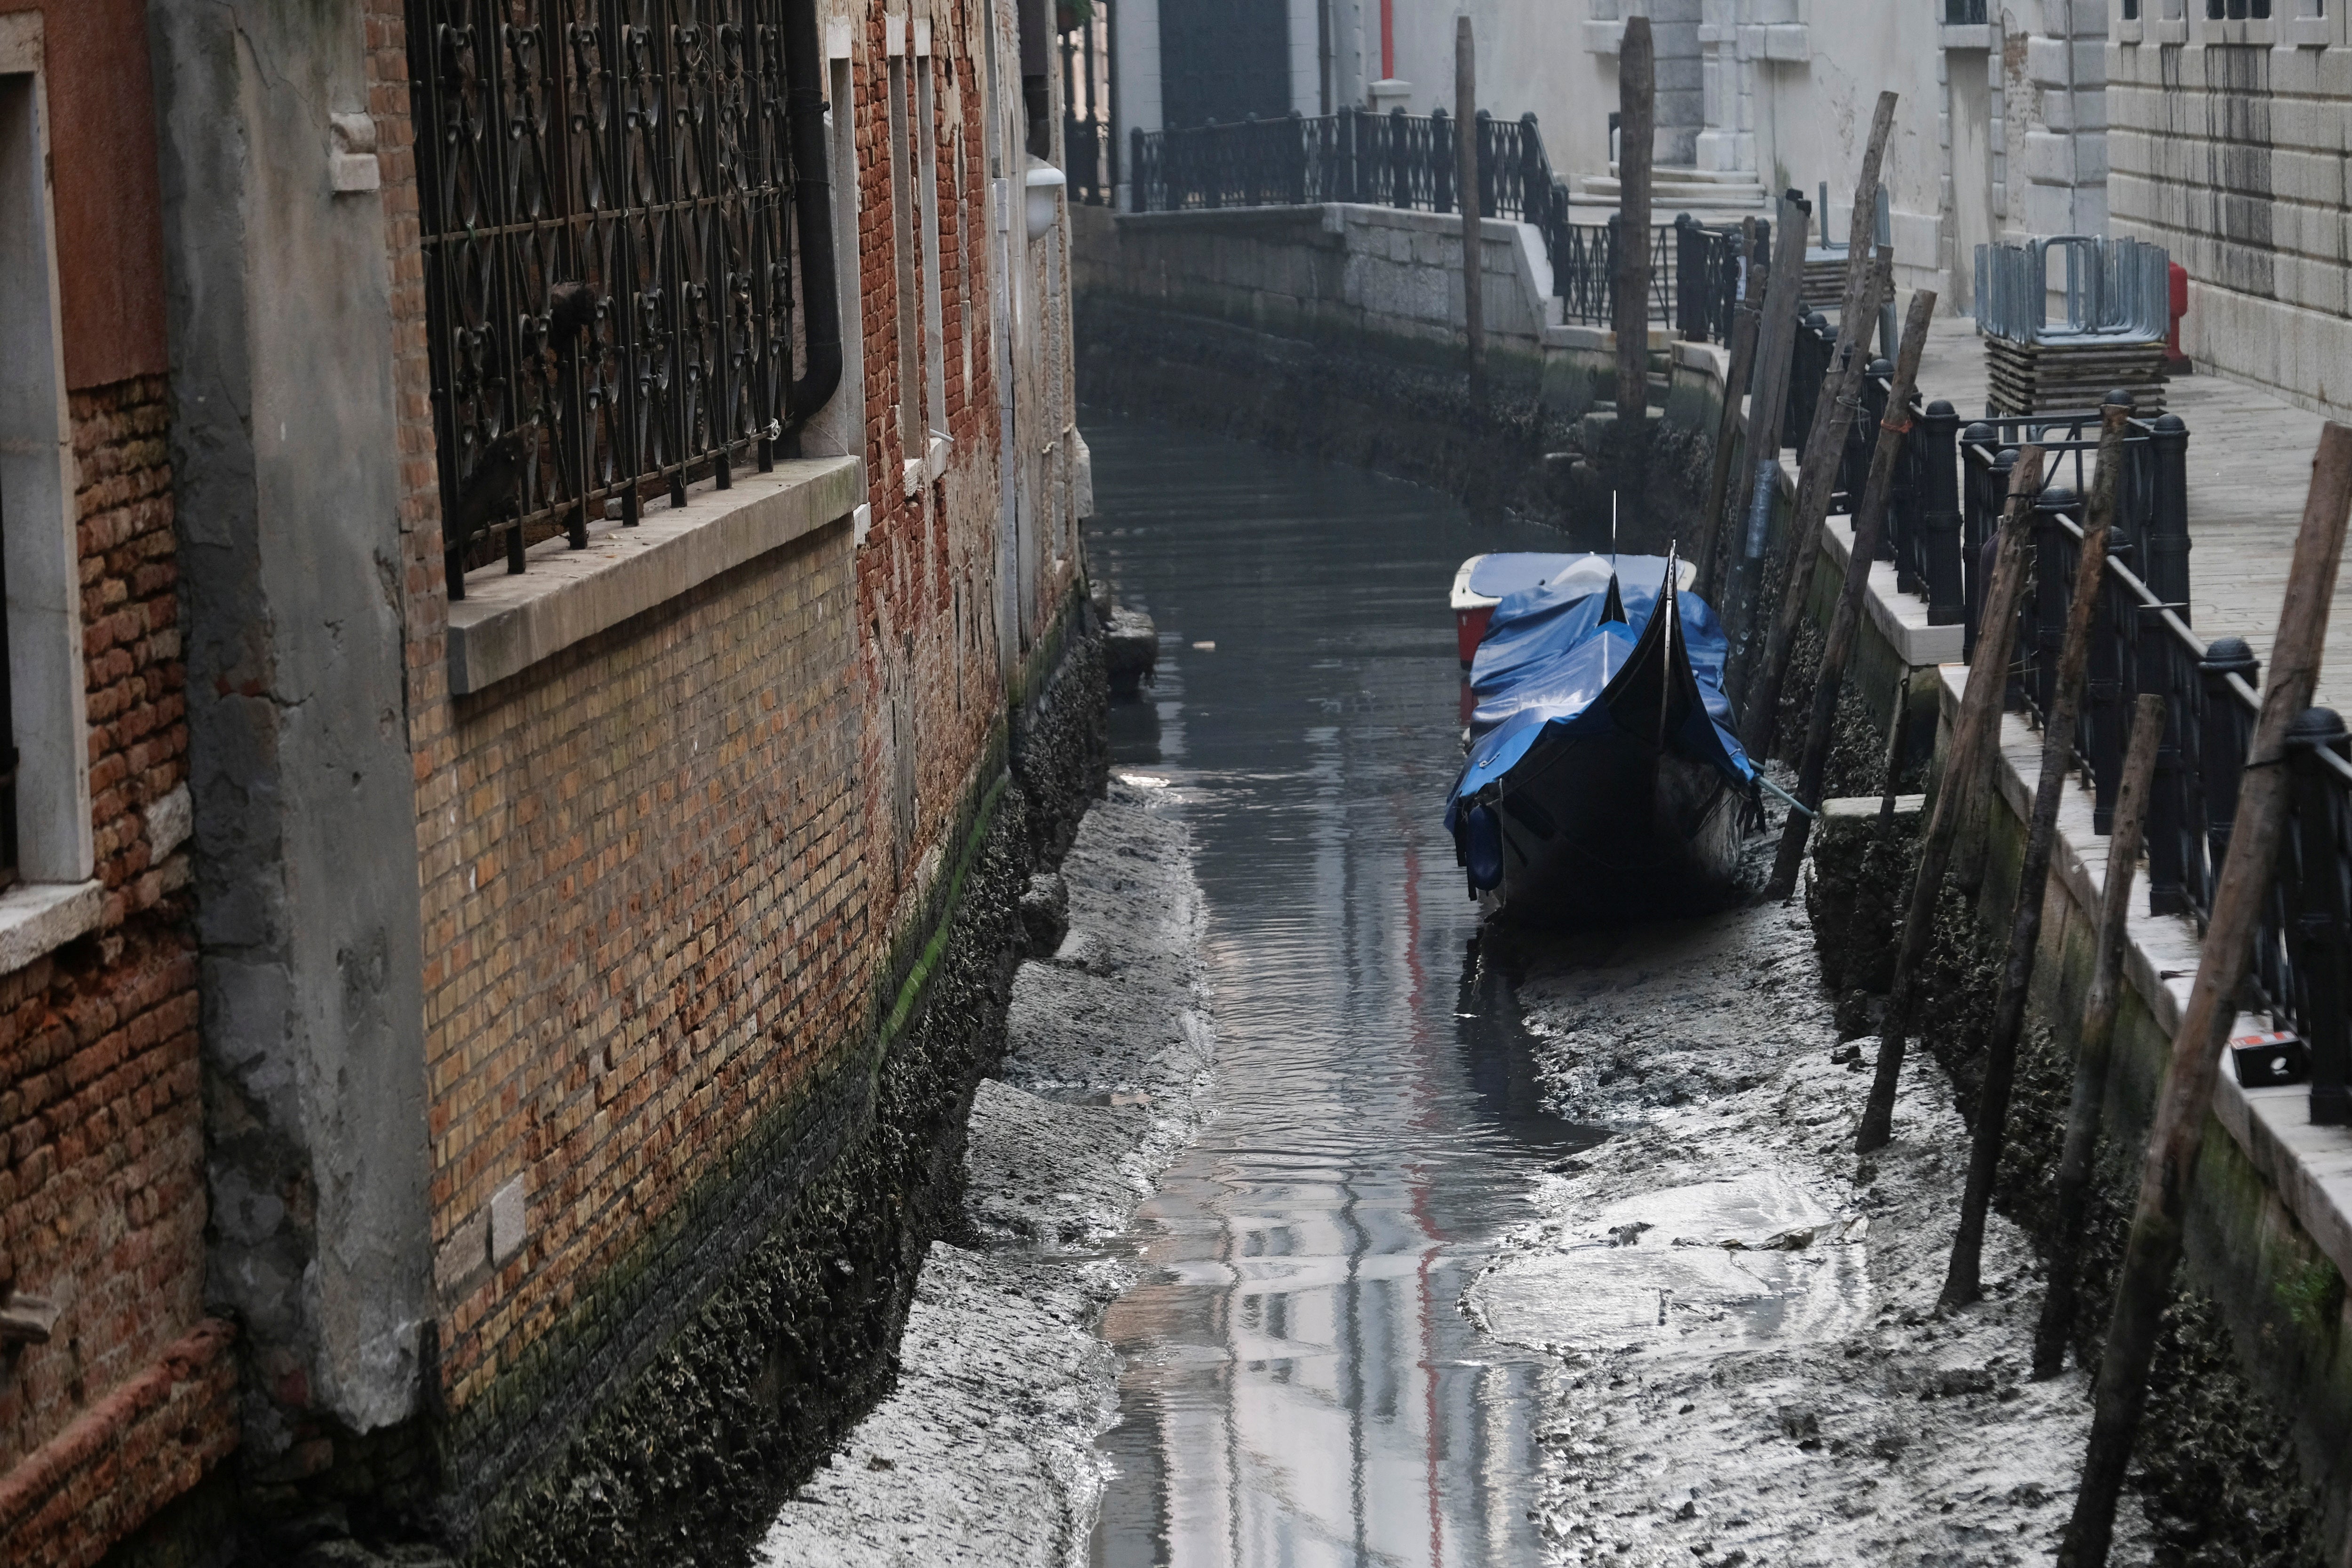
1465	184
1870	523
2098	1037
1749	523
1963	1279
2120	1396
1976	744
1825	443
1636	131
1737	374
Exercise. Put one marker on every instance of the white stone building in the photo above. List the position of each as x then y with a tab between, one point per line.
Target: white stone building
2001	129
2229	135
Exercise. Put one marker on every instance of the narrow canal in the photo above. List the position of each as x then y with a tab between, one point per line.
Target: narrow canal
1301	1387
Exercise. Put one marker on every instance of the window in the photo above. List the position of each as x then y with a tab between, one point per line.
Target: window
45	824
1971	12
608	291
2237	10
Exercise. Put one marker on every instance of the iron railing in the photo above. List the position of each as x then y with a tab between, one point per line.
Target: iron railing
1408	161
2140	643
606	197
1395	159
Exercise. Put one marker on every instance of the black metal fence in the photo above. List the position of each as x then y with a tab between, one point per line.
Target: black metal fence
1395	159
606	197
2142	641
1409	161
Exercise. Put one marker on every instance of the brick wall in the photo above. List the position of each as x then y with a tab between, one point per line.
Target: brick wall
663	870
645	927
101	1171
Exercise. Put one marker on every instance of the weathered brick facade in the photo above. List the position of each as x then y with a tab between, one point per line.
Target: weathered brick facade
102	1200
713	929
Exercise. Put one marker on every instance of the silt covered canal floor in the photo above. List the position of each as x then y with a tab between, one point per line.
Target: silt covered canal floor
1301	1386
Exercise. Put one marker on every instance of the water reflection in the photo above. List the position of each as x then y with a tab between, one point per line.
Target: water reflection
1302	1388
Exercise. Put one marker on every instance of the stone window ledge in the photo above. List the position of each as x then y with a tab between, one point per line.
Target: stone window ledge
509	622
38	917
1977	35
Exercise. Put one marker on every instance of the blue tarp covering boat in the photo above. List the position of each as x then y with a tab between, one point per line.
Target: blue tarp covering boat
1602	761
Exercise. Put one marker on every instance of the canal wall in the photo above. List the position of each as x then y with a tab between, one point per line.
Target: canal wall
1336	331
2244	1452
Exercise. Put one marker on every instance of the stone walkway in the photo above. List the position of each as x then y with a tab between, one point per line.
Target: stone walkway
2249	468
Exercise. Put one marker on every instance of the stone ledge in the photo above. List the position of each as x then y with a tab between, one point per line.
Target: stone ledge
509	622
38	918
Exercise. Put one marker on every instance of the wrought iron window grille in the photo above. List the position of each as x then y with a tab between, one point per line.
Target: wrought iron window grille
605	194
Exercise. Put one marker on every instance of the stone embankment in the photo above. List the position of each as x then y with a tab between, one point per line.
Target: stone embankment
984	1451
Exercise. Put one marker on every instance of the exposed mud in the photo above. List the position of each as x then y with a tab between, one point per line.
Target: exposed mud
1769	1379
984	1451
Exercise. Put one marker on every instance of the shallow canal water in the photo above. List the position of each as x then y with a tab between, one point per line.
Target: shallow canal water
1301	1386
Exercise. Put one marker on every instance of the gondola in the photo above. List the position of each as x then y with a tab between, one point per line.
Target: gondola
1603	776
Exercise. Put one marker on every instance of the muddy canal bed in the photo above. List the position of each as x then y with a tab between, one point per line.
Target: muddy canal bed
1751	1363
1471	1248
984	1453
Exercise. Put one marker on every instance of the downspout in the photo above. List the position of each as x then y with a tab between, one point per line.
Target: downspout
813	208
2073	134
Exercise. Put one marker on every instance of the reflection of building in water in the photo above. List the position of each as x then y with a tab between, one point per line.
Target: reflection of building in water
1302	1388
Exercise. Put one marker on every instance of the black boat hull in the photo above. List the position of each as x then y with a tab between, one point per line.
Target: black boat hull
1602	827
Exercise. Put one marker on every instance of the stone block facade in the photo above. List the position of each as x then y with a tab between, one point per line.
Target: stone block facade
2228	148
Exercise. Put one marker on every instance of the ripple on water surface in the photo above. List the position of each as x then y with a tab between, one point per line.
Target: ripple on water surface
1302	1388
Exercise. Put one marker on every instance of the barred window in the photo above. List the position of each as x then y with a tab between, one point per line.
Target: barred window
605	191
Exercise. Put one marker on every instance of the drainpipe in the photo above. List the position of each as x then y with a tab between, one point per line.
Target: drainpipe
2073	134
813	206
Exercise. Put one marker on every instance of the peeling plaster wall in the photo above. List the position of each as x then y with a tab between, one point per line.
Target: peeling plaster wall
305	843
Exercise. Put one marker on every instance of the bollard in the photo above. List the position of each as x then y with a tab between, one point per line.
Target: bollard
2316	900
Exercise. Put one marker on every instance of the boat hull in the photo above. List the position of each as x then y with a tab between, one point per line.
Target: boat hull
1600	827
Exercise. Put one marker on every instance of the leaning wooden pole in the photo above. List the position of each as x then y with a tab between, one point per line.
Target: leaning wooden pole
1964	1276
2098	1037
1736	376
1466	183
1976	744
1816	479
1870	523
2145	1285
1637	122
1747	524
1825	442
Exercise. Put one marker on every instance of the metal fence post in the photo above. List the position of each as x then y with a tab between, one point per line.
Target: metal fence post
2053	577
1294	143
2103	693
1535	175
1441	161
2227	729
2168	542
1938	510
2158	659
1483	130
1138	187
1399	162
2316	906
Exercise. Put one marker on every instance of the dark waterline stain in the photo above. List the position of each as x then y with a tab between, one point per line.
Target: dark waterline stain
1301	1384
